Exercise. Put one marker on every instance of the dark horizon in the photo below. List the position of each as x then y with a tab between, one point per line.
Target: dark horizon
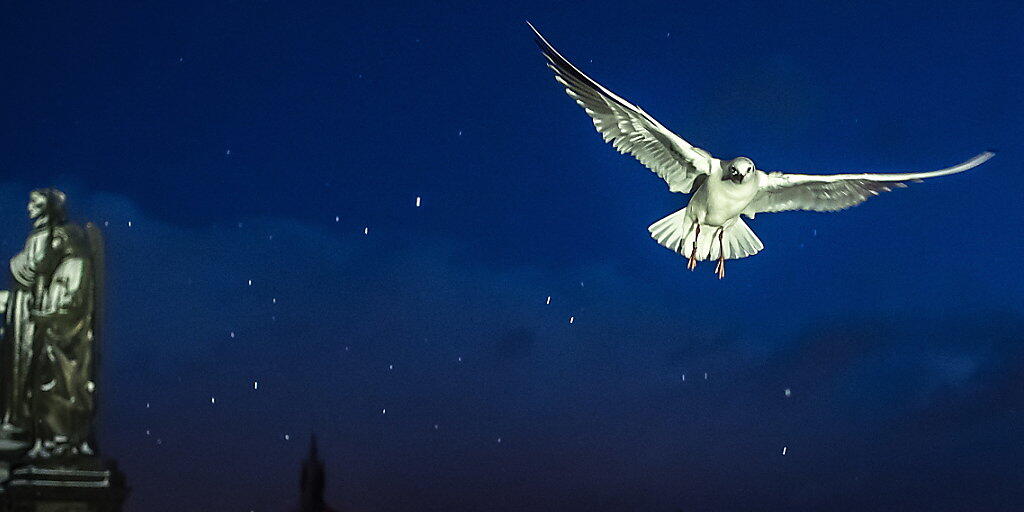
278	278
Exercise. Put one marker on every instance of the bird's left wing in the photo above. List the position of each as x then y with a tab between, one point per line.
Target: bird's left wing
779	191
629	128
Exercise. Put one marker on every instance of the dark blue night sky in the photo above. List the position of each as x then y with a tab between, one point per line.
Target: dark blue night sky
225	142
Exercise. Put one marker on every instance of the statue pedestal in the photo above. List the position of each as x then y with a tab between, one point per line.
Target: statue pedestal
11	452
88	487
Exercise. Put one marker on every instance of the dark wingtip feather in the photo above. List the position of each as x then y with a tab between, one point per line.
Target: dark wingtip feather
536	33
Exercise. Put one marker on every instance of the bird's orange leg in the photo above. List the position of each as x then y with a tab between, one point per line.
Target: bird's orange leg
720	268
692	264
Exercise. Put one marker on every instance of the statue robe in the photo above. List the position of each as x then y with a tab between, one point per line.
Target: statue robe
65	400
28	269
50	336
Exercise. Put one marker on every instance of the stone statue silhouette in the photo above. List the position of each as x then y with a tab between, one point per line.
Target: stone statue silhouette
50	328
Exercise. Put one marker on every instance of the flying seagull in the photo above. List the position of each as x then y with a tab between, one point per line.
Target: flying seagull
710	227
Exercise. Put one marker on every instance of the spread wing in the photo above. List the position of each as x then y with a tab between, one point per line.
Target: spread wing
628	128
779	191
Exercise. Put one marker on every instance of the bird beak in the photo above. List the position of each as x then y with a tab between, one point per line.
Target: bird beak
734	177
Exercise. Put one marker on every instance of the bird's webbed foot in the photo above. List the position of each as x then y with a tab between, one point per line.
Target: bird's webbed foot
720	268
692	263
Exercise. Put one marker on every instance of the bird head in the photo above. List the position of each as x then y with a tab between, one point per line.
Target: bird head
738	170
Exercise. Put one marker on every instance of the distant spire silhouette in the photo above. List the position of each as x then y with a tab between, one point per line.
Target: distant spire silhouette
311	485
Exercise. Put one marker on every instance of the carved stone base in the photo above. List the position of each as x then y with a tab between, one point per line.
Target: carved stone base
87	487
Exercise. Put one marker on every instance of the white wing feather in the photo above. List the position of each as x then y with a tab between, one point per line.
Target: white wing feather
779	191
629	128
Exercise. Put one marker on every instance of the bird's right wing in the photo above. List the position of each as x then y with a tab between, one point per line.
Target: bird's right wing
629	128
829	192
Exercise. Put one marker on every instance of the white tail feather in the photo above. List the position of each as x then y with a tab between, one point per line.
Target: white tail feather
677	233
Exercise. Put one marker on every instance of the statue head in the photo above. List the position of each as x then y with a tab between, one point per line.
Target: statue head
46	206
